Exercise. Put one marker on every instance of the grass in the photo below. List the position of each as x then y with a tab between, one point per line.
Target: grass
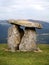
25	58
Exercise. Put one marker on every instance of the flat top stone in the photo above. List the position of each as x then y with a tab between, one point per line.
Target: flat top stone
26	23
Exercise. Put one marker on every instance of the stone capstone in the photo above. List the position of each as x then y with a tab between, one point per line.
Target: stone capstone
26	23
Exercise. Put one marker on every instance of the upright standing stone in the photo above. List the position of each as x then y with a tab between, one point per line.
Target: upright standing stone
13	38
28	42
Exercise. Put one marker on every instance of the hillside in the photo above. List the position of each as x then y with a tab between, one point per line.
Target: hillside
4	30
41	38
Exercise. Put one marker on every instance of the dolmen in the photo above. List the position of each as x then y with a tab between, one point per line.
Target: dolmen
23	40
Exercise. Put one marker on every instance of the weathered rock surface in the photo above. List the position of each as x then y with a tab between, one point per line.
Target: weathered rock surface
23	40
13	38
28	42
26	23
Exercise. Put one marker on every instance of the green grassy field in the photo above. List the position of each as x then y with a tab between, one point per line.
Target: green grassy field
24	58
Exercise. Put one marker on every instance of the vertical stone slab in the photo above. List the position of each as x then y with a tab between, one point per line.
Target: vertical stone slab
28	42
13	38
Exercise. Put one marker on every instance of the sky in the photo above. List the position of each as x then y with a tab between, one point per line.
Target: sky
24	9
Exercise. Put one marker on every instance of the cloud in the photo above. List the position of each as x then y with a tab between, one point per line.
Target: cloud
35	9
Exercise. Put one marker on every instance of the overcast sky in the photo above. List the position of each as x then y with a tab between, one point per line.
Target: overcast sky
24	9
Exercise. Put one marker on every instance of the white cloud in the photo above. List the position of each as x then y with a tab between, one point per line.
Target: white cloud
24	9
38	7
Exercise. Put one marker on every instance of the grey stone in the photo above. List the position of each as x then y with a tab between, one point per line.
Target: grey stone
28	42
13	38
23	40
26	23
